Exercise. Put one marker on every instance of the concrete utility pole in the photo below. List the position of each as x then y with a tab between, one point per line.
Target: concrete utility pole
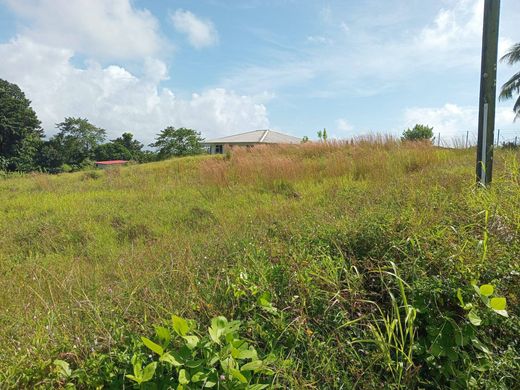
498	138
467	137
488	86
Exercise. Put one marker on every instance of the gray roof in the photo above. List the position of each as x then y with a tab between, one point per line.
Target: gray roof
256	137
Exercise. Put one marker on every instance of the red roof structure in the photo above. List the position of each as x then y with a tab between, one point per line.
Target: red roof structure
111	162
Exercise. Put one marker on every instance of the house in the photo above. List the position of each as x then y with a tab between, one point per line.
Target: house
110	163
249	139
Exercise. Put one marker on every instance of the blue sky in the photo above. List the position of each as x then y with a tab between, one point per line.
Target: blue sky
223	66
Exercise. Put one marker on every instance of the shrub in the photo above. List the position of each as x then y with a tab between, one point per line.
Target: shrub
418	133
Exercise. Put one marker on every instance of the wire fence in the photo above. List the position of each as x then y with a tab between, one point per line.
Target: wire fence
468	139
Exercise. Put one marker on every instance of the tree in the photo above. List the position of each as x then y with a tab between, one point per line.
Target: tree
178	142
322	135
512	86
112	151
77	139
20	130
132	145
418	133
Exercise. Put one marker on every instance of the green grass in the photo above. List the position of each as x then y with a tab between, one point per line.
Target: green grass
90	261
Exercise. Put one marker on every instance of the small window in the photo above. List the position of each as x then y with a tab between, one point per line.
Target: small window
219	149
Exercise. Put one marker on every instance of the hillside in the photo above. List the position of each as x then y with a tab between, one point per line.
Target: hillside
296	242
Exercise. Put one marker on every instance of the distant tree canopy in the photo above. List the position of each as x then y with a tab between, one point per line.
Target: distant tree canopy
20	131
77	142
418	133
122	148
77	139
512	86
178	142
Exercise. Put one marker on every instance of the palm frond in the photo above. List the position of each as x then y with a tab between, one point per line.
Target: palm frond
510	87
513	55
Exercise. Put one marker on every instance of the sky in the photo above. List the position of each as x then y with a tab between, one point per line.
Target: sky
229	66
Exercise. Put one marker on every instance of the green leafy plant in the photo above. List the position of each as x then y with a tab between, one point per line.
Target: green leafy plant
453	348
485	292
188	359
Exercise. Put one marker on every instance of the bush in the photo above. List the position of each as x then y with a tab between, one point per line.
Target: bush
418	133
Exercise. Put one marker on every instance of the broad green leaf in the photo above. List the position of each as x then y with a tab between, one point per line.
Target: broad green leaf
138	369
149	371
498	303
195	363
191	341
212	380
214	334
180	325
476	342
184	377
474	318
199	376
435	349
459	295
163	334
244	354
169	358
503	313
227	364
134	378
486	290
63	367
238	375
252	366
152	346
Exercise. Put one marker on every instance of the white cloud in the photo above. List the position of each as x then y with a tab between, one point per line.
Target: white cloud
366	62
453	121
343	127
201	33
117	100
318	39
108	29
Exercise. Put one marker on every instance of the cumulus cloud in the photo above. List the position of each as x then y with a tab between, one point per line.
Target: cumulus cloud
108	29
201	33
453	121
118	100
343	127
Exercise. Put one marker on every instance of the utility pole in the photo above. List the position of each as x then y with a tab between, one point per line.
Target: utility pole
498	138
439	140
486	115
467	136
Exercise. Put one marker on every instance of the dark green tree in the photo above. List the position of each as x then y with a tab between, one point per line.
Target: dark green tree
131	144
49	157
77	139
178	142
112	151
512	86
418	133
20	130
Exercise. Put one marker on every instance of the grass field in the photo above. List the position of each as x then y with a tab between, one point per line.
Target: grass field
296	242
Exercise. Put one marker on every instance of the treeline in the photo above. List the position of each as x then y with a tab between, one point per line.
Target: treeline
77	143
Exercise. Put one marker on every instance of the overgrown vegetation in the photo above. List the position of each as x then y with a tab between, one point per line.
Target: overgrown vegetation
376	264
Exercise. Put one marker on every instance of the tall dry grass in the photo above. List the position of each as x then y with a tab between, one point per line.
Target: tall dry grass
374	157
